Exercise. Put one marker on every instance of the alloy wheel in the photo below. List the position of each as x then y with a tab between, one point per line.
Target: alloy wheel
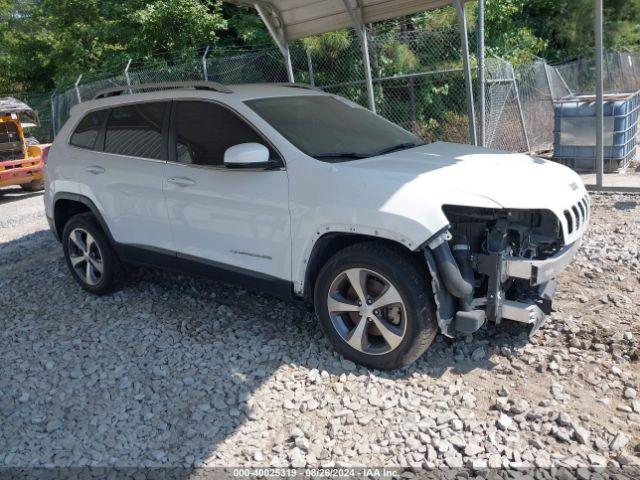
366	309
85	256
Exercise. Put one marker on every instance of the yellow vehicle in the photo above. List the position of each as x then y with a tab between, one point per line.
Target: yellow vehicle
22	158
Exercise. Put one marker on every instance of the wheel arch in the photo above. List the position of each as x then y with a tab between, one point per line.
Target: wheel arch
330	243
66	205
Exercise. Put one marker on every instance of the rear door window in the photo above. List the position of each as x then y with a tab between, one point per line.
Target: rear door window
137	131
88	129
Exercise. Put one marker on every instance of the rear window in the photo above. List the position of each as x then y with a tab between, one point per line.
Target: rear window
87	131
136	130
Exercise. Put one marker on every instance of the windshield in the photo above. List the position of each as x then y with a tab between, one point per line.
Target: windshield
330	129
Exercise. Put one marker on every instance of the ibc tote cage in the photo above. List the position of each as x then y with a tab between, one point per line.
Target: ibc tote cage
288	20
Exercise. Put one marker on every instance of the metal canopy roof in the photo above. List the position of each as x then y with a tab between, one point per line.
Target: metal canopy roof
302	18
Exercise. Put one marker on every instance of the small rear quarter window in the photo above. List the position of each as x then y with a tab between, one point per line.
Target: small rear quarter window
87	131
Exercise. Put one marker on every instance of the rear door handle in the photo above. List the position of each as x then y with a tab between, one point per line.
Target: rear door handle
95	169
181	181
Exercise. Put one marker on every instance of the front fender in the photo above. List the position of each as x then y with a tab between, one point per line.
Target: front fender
401	230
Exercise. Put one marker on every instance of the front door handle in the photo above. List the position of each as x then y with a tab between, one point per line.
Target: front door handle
181	181
95	169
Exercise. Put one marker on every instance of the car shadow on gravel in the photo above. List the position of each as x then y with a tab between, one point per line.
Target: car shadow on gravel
167	371
8	195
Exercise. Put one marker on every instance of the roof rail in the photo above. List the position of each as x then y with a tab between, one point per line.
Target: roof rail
306	86
144	87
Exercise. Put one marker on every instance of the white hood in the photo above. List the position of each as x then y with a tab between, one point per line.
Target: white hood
511	180
445	173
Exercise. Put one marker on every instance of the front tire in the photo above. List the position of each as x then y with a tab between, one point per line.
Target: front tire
89	255
374	303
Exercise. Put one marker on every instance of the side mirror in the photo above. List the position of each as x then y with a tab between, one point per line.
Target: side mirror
247	155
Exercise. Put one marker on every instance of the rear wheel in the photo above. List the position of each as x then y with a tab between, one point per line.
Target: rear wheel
33	186
89	255
374	304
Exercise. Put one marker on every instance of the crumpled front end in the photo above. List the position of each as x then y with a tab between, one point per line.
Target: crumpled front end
495	264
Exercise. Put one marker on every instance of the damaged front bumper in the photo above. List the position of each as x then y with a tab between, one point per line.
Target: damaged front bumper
499	270
542	271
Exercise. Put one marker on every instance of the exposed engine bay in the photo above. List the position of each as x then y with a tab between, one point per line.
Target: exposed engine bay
534	234
491	264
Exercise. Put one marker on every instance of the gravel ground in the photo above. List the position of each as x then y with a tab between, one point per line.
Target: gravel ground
174	370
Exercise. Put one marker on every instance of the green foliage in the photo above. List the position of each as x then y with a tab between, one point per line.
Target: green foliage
166	26
397	59
558	29
48	42
507	35
330	45
243	27
336	57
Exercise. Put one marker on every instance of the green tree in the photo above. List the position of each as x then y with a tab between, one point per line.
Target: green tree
568	26
507	33
166	26
48	42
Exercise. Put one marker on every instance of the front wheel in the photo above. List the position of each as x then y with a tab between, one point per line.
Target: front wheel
374	304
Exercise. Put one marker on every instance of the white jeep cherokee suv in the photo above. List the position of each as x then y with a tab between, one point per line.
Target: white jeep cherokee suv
310	197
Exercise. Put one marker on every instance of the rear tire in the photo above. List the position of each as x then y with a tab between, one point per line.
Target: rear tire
387	322
34	186
90	257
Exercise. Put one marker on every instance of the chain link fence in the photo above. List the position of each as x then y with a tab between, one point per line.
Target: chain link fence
621	73
417	76
536	101
504	128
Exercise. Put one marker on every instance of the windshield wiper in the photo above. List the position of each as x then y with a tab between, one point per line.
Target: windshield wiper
341	155
399	146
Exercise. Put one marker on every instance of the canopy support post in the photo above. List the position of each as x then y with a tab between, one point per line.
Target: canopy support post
312	79
287	58
53	102
77	87
462	26
481	72
205	73
278	35
361	30
126	75
599	97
